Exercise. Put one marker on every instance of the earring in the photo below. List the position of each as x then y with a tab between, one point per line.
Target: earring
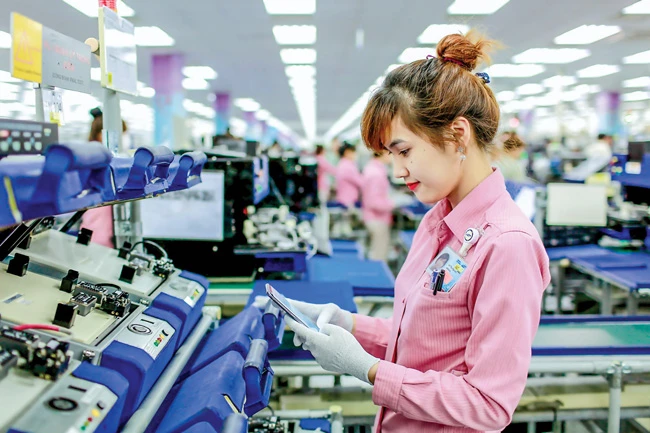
462	154
462	157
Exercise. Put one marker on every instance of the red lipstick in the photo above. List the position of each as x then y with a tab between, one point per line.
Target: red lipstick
413	186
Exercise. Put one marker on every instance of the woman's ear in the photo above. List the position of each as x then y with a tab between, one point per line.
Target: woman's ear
462	129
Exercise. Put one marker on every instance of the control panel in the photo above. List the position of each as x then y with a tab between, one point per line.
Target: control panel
147	333
20	137
72	405
187	290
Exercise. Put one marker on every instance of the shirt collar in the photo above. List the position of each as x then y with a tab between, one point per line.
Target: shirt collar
470	212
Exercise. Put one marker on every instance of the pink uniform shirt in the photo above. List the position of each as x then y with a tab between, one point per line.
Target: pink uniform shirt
348	182
375	200
100	221
458	361
324	171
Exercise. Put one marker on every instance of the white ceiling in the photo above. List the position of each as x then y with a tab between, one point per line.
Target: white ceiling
235	38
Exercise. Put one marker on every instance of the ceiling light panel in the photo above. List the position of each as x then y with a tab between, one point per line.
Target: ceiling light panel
638	58
290	7
5	77
195	84
506	96
246	104
152	37
638	8
203	72
392	67
294	56
596	71
530	89
586	34
635	96
475	7
560	81
435	32
300	71
551	55
587	88
515	71
637	82
90	8
415	53
295	35
147	92
5	40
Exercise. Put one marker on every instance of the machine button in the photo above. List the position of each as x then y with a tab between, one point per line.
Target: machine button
63	404
95	413
101	405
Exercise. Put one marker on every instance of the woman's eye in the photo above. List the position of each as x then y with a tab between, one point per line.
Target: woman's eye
404	152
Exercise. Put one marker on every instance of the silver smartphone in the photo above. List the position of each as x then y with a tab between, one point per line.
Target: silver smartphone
283	304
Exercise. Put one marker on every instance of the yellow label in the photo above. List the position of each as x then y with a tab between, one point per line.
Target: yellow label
27	48
110	78
11	200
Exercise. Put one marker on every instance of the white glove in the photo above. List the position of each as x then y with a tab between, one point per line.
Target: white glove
335	349
320	314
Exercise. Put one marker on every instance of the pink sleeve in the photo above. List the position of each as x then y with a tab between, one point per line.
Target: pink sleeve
100	221
356	177
505	317
328	168
375	195
372	333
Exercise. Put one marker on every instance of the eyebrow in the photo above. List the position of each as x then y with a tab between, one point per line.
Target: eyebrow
395	142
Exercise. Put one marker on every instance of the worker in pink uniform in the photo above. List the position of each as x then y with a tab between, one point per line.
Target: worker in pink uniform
454	357
99	220
348	176
324	170
377	205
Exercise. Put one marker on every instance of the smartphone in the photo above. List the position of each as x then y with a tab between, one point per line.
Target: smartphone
283	304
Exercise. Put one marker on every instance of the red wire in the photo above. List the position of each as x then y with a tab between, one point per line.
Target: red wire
39	326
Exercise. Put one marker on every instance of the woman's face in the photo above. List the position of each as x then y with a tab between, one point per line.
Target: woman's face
432	173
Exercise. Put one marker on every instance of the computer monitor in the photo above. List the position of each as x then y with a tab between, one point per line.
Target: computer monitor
192	214
576	205
636	150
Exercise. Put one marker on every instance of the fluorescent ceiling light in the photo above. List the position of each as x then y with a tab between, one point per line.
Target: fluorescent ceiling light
637	82
415	53
641	7
295	35
636	96
300	71
551	55
263	115
570	96
5	40
195	84
587	88
638	58
302	83
475	7
298	55
586	34
5	77
598	71
515	71
203	72
505	96
560	80
90	8
247	104
147	92
435	32
290	7
152	37
530	89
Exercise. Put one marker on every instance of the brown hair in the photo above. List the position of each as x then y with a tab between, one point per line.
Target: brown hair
429	94
97	126
513	142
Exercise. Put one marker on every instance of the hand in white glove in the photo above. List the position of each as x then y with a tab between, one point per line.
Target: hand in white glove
335	349
320	314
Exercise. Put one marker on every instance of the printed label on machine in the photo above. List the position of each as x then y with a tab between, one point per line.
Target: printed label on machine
72	405
187	290
147	333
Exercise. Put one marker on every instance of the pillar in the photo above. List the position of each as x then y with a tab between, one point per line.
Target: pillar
252	126
608	110
169	113
222	112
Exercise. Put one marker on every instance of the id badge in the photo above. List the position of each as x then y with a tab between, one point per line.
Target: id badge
453	265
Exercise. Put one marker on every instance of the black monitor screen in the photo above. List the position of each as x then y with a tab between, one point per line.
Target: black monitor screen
636	150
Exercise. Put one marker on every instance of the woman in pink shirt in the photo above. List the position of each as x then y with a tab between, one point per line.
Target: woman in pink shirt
454	357
377	206
324	171
348	177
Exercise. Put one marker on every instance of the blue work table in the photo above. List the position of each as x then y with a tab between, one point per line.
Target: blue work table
367	277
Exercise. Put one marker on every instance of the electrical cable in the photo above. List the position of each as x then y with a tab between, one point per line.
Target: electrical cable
150	243
41	326
114	286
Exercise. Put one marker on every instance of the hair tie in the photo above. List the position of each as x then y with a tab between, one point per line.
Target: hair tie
484	76
429	56
458	62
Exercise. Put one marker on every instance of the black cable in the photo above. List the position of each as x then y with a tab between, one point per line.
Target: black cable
150	243
276	191
72	221
114	286
271	409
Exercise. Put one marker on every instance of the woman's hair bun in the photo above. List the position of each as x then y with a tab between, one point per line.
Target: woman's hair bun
96	112
467	50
